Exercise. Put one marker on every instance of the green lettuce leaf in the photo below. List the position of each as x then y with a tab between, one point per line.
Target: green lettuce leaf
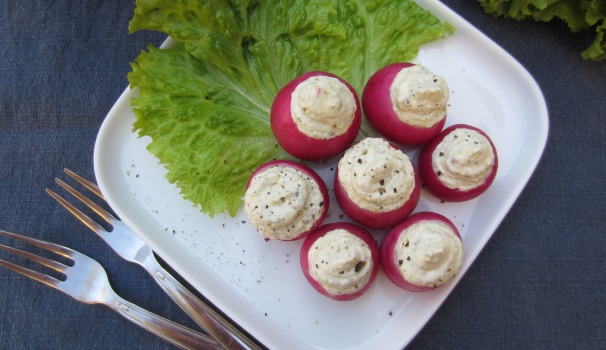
208	133
205	102
577	14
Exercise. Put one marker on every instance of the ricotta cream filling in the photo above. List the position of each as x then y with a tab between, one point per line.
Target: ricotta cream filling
376	176
322	107
419	97
340	262
282	202
463	160
429	253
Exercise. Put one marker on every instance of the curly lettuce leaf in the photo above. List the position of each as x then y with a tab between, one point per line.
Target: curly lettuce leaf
275	41
596	16
577	14
208	133
205	103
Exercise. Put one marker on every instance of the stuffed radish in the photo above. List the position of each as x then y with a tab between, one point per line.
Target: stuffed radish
376	184
316	116
285	200
423	252
340	260
406	103
459	164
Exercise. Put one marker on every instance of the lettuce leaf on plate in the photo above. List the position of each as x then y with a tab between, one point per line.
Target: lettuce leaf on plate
577	14
205	102
209	135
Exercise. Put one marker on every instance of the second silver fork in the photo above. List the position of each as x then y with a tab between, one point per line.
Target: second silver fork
131	248
85	280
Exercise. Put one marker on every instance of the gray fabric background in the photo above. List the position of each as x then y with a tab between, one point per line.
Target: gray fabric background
539	283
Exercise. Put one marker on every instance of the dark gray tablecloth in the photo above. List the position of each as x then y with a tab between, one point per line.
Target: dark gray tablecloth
540	282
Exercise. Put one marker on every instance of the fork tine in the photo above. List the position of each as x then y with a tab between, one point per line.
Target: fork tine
55	248
90	223
39	259
86	183
96	208
35	275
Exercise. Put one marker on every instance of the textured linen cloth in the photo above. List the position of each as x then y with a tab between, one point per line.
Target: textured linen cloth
538	284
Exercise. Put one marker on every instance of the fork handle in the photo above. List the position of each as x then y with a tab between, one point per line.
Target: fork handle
174	333
223	331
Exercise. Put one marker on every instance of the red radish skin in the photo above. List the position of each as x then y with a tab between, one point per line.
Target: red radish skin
376	220
354	229
379	111
313	175
300	145
432	181
389	260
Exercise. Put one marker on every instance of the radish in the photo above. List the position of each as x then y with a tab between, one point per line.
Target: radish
406	103
376	184
340	260
459	164
316	116
285	200
422	253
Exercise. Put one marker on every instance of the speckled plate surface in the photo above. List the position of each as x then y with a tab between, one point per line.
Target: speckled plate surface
260	284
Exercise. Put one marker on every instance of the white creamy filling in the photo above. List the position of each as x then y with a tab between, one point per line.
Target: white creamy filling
340	262
419	97
463	160
376	176
429	253
322	107
282	202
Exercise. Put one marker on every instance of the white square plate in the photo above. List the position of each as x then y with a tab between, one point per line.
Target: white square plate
260	284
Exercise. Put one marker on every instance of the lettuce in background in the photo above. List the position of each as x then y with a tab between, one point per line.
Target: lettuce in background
205	102
577	14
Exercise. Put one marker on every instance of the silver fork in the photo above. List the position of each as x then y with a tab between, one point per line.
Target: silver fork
132	248
87	282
